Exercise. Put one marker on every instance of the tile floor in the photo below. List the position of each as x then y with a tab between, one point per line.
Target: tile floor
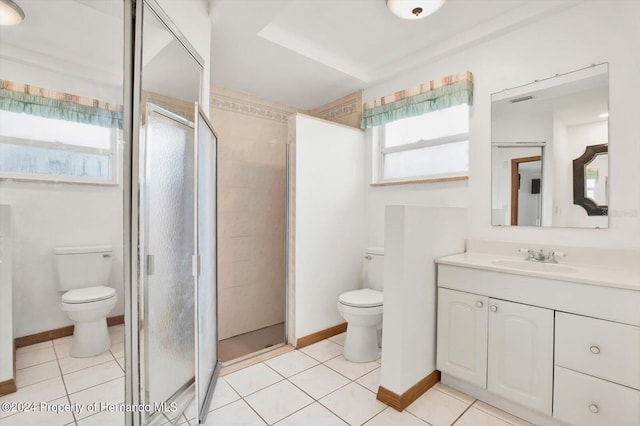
311	386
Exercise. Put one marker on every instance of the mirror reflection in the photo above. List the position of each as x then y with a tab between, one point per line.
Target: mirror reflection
538	132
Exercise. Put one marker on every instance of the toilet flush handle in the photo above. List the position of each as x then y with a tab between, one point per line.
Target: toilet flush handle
368	257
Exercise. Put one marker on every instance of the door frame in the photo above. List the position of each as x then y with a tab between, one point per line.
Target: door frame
515	183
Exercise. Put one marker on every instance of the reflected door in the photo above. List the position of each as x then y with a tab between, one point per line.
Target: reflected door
167	211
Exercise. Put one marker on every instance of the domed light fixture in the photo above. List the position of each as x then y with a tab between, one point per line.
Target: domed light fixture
10	13
413	9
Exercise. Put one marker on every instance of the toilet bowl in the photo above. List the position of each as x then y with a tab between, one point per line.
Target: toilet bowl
82	275
362	310
88	309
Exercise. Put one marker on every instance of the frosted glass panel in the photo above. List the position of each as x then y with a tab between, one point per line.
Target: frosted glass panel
169	242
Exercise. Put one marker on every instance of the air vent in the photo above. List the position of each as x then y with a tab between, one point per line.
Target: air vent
522	99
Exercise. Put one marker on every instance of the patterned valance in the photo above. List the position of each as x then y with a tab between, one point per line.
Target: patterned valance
438	94
28	99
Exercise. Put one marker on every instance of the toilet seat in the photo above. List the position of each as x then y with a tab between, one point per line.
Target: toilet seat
89	294
364	298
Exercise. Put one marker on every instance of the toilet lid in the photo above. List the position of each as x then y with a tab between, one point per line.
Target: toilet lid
89	294
365	298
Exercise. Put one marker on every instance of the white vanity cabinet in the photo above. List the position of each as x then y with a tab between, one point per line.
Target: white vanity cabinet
554	352
502	346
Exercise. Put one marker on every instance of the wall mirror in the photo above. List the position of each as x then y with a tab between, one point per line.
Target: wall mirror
549	151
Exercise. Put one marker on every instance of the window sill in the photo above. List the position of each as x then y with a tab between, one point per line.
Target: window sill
428	180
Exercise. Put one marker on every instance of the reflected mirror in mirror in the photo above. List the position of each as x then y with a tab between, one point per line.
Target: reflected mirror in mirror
555	119
591	180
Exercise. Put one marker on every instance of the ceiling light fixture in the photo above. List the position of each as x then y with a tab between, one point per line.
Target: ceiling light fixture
413	9
10	13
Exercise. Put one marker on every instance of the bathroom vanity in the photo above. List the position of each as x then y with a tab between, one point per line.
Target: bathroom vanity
551	343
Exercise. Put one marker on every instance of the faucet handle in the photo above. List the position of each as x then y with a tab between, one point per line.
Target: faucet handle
525	250
559	253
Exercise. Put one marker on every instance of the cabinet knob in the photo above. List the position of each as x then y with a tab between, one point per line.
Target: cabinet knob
594	350
479	304
494	308
594	408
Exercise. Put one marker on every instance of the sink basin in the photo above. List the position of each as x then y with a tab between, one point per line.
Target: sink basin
526	265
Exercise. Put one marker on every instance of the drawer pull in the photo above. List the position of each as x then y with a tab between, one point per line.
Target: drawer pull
479	304
594	408
594	350
494	308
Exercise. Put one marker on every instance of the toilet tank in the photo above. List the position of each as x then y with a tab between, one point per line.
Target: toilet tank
79	267
374	268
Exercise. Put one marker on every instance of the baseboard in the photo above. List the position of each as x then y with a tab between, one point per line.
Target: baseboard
7	387
57	333
400	402
321	335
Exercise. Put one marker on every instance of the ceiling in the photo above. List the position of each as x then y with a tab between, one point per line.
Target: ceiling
306	53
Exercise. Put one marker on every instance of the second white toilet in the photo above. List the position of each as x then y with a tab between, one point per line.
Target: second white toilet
362	310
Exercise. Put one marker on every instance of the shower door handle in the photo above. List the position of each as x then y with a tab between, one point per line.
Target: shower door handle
150	264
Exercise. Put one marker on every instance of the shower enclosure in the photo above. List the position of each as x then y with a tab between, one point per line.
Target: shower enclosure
172	328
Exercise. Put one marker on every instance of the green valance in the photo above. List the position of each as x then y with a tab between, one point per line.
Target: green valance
27	99
439	94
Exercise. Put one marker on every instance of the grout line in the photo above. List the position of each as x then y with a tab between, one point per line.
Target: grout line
75	420
461	414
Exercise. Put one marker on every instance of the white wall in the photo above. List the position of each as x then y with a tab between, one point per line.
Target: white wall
329	226
6	317
415	237
591	32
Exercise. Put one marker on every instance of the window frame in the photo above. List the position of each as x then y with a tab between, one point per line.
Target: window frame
422	143
112	153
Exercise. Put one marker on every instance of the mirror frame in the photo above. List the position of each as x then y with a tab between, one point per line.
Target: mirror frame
579	163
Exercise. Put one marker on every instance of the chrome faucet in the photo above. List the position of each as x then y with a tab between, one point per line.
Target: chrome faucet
539	256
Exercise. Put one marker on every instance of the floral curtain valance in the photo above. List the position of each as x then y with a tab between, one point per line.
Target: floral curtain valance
28	99
438	94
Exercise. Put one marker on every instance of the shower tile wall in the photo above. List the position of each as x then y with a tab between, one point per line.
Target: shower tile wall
252	136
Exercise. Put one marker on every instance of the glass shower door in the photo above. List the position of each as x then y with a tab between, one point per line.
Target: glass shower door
207	365
167	208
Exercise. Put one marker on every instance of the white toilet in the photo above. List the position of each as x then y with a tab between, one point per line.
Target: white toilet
362	310
83	274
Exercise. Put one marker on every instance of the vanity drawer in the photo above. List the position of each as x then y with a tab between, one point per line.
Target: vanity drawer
600	348
582	400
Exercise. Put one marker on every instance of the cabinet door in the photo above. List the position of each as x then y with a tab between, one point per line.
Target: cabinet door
462	336
521	354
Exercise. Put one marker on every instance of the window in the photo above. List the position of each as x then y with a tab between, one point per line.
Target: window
39	148
428	146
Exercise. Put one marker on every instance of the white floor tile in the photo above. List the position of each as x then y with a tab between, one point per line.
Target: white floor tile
37	373
42	417
105	418
235	414
437	408
111	392
371	380
252	379
278	401
47	390
116	333
117	349
392	417
351	370
353	403
493	411
339	339
291	363
34	347
323	351
121	363
62	350
83	379
223	394
475	417
319	381
312	415
35	357
454	393
62	340
70	364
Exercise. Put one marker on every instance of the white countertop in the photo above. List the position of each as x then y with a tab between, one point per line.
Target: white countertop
624	277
